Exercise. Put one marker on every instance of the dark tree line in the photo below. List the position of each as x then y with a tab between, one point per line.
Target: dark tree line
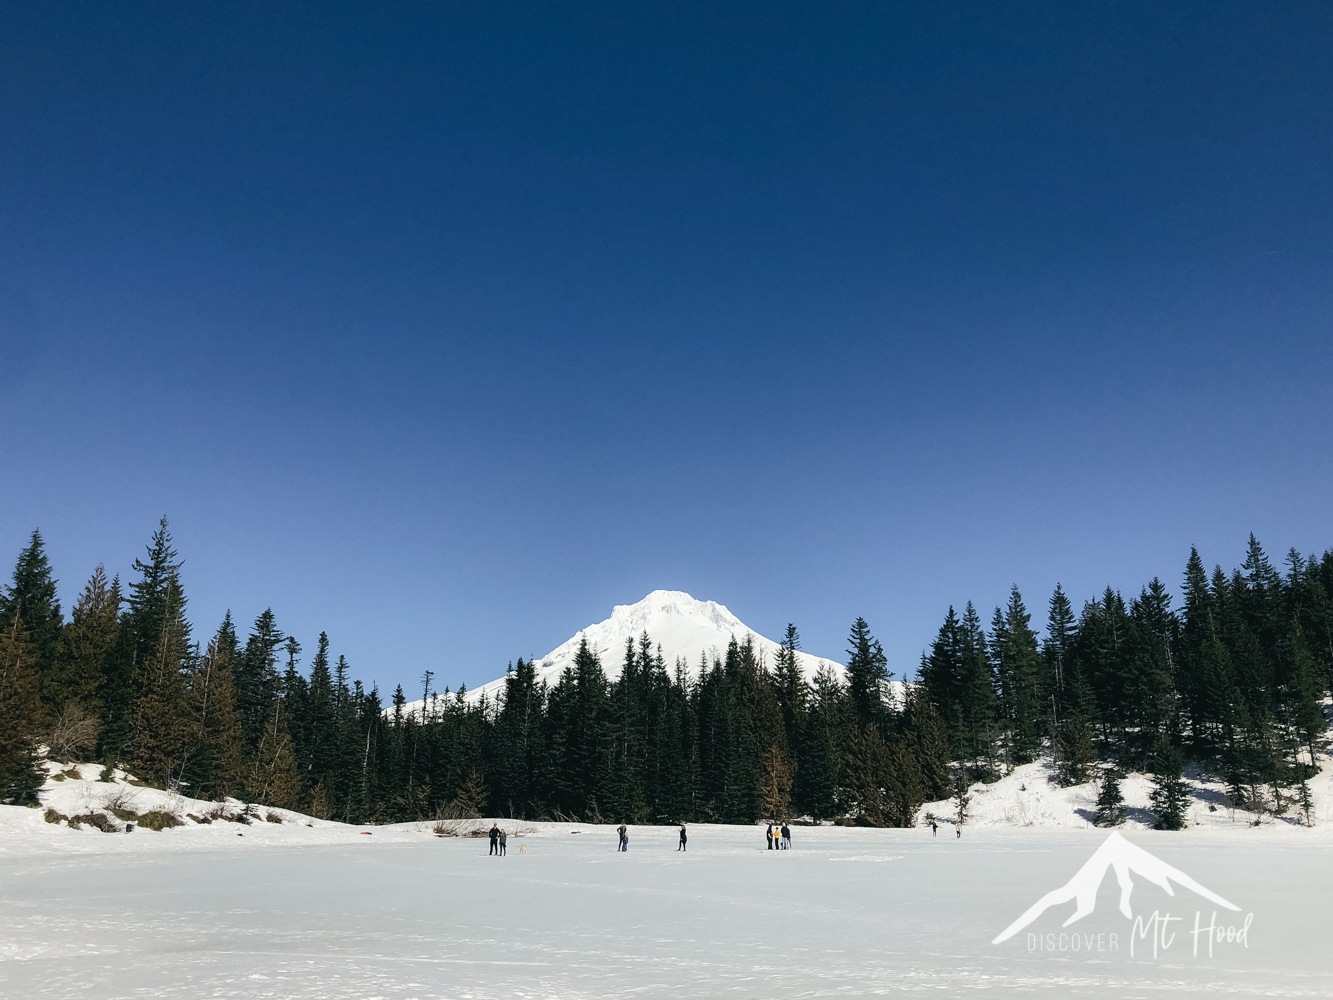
1234	681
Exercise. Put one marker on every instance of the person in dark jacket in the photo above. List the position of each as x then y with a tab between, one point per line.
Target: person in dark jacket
495	838
683	838
624	837
786	837
504	838
768	836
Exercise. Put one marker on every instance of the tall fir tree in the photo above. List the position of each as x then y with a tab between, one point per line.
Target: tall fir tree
867	673
21	717
257	680
87	643
221	766
273	779
1018	677
31	597
162	732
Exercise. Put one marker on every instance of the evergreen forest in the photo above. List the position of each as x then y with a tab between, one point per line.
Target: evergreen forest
1232	683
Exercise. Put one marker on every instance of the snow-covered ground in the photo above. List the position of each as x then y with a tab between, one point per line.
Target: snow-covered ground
1026	798
288	910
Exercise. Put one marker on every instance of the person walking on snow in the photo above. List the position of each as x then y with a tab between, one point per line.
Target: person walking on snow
624	838
786	837
768	835
934	829
682	838
504	837
495	838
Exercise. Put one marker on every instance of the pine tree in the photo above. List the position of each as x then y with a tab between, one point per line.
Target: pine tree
1017	670
162	732
257	681
1060	625
151	598
926	730
273	779
582	747
1170	796
962	797
222	770
1110	800
20	716
1203	673
1150	704
520	742
31	597
86	645
979	709
789	684
865	778
907	788
943	675
470	802
1076	753
819	763
775	796
867	673
319	755
153	595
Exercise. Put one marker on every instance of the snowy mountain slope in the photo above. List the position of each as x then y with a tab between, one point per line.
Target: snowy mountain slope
682	625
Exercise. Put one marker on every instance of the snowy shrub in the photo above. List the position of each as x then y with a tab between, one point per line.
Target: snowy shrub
97	820
51	816
158	819
273	818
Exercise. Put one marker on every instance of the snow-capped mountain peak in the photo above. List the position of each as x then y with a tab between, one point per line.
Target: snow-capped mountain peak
682	625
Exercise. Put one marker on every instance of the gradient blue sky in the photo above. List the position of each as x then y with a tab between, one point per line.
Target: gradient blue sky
446	329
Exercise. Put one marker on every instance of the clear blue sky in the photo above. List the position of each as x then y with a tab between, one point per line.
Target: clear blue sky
445	329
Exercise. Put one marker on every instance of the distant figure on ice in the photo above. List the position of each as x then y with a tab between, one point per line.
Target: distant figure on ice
934	829
683	838
624	837
958	833
504	839
495	838
786	837
768	835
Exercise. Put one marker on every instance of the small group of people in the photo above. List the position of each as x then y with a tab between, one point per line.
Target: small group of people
623	832
499	840
779	836
935	829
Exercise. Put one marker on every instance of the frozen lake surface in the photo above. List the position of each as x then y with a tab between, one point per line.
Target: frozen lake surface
401	914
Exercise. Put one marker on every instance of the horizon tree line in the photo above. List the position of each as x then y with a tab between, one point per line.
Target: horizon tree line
1235	683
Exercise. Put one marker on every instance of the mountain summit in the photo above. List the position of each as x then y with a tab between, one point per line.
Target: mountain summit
682	625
